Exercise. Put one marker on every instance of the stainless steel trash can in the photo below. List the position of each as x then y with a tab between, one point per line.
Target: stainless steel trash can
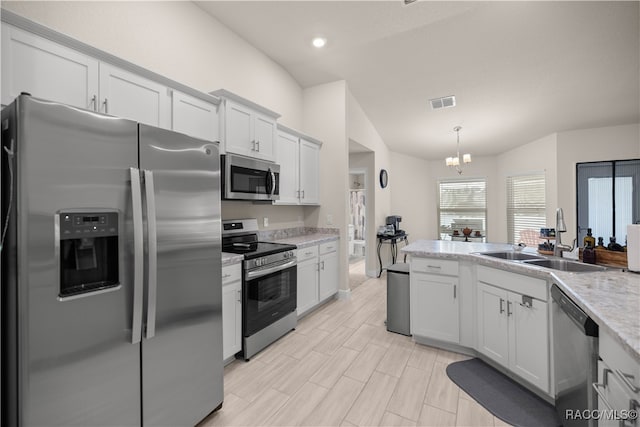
398	299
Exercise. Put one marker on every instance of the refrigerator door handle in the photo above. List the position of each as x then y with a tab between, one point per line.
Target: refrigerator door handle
152	284
138	254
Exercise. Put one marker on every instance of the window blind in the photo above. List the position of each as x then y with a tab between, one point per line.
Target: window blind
462	203
526	207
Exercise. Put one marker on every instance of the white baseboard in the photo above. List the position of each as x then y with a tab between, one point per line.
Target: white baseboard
344	294
372	273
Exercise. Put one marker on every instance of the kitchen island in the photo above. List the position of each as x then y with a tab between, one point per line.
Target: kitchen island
611	297
501	310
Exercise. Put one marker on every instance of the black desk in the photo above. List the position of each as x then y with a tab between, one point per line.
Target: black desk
393	240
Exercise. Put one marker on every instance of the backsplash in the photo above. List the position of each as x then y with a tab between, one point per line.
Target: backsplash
285	233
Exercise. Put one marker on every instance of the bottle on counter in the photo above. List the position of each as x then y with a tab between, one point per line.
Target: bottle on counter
600	243
589	240
589	255
613	246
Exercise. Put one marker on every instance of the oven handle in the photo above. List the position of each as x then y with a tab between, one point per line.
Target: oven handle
254	274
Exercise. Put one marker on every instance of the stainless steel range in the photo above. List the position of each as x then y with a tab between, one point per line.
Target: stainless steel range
269	289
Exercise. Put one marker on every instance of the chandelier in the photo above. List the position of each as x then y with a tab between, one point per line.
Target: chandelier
454	162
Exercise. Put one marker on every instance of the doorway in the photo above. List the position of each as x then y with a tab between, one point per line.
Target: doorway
357	217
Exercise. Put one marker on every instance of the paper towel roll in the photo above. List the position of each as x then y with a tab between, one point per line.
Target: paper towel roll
633	247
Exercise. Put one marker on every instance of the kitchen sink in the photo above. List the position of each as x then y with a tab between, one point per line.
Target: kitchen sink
512	255
564	265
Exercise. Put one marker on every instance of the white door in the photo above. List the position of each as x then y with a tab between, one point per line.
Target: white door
307	292
238	129
528	340
195	117
434	307
287	158
46	70
231	319
265	137
493	323
309	173
328	275
127	95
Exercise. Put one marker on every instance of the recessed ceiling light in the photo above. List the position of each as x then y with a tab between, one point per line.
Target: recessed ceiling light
319	42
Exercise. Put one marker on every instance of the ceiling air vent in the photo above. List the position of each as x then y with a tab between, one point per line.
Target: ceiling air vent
444	102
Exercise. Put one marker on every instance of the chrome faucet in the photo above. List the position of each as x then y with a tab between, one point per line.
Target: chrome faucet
561	227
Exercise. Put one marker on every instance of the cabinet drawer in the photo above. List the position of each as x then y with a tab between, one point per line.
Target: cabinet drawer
231	273
434	266
624	367
307	253
525	285
325	248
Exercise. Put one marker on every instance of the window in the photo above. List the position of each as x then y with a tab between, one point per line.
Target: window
462	203
525	205
608	198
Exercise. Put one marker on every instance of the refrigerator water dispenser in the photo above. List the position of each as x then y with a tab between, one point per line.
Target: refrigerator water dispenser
88	245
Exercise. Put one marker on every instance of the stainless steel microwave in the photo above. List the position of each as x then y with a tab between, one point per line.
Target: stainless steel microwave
245	178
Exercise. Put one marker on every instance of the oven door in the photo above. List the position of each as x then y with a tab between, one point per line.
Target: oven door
250	179
269	294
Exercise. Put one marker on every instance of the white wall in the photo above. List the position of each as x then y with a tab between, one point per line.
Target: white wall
586	145
178	40
361	130
324	117
534	157
366	162
413	196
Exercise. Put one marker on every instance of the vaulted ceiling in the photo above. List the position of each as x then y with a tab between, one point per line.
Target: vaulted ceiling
519	70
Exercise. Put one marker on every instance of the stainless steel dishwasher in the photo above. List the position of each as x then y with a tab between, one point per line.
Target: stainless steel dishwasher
575	355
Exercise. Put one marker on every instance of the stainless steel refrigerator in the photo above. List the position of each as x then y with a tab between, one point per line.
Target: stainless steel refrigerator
111	283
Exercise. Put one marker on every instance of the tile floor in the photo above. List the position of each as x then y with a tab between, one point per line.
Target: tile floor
341	367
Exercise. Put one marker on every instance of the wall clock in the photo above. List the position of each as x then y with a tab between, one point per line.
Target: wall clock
384	178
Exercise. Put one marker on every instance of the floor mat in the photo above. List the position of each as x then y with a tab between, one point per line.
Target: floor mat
502	396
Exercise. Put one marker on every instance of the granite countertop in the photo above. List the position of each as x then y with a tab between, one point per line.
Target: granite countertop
306	240
301	241
230	259
611	298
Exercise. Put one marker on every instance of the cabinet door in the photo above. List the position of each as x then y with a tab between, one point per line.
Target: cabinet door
231	319
307	285
309	173
127	95
328	275
193	116
238	129
264	137
46	70
493	323
287	158
528	343
434	307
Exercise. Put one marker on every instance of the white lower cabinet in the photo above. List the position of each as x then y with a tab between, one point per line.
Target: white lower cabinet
618	385
434	299
308	296
513	328
328	270
317	275
231	310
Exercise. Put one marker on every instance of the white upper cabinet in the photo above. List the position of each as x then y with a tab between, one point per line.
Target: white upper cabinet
46	70
131	96
195	117
309	172
53	71
299	158
288	148
247	128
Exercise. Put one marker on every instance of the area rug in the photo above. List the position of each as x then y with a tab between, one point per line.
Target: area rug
501	395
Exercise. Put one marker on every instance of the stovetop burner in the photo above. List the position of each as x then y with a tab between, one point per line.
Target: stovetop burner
256	249
241	237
